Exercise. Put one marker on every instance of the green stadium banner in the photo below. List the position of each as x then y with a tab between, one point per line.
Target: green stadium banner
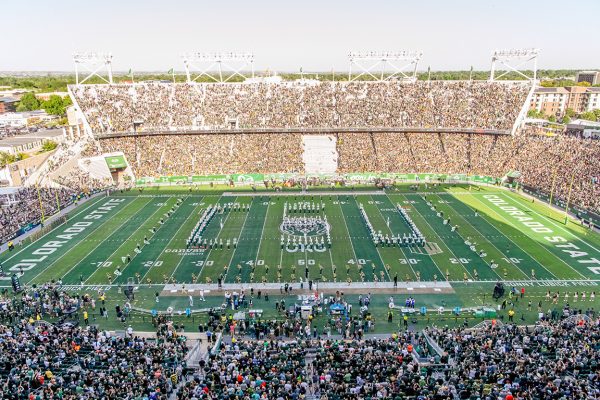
356	177
247	178
115	162
210	178
362	176
178	179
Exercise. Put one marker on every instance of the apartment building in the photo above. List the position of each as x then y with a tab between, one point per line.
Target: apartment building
556	100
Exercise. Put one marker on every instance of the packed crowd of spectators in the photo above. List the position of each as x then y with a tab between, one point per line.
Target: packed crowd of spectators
311	104
537	157
38	359
208	154
551	360
61	360
177	106
25	206
82	182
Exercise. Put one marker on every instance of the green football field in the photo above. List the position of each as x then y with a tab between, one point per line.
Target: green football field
511	238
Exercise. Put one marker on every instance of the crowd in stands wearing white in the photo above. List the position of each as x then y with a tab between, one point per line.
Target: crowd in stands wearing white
179	106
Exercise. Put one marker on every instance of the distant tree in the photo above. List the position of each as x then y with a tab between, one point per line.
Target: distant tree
586	84
55	105
589	116
566	119
569	112
21	156
533	113
28	102
552	118
49	145
6	158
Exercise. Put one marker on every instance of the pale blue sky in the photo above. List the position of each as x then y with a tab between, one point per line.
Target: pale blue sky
284	35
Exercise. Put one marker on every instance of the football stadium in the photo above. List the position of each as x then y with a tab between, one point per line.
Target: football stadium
251	236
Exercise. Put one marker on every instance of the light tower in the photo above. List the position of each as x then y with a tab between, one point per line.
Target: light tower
204	64
397	61
513	59
93	63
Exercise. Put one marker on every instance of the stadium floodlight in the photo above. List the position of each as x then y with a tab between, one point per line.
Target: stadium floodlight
514	60
232	63
507	59
397	61
93	63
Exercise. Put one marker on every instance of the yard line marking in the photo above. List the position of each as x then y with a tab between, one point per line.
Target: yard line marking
262	232
238	240
209	250
100	242
168	243
124	242
392	233
442	240
82	240
96	201
539	245
347	231
490	242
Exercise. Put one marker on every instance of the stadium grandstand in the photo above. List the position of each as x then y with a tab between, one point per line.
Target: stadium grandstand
299	214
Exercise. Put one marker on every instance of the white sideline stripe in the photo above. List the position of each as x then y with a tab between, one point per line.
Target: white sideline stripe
553	223
522	249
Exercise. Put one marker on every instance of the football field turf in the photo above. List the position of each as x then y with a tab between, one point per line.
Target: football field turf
512	238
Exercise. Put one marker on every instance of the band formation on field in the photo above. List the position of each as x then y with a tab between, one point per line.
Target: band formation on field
449	233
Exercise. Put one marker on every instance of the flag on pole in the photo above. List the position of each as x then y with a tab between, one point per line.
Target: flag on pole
429	73
471	74
170	71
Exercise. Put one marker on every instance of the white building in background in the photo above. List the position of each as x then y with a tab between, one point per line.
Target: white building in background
550	101
556	100
30	142
593	99
24	119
